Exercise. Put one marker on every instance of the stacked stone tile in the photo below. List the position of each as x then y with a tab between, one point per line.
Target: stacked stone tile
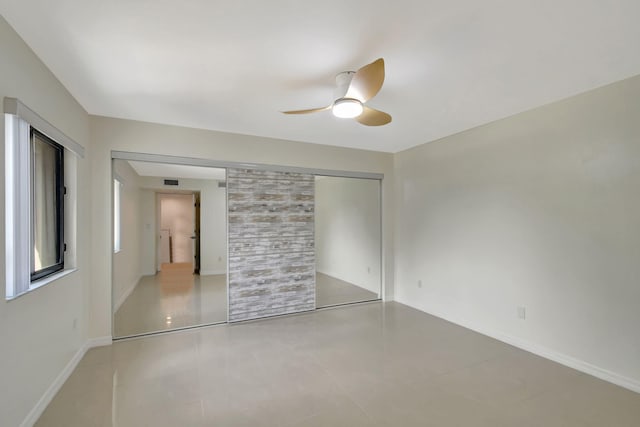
271	243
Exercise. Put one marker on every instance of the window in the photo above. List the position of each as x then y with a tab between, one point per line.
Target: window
47	205
40	212
117	185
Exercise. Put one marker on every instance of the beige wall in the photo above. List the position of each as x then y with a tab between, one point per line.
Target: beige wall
127	263
114	134
148	227
540	210
37	329
213	229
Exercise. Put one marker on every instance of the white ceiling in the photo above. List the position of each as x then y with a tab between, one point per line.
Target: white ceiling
232	66
166	170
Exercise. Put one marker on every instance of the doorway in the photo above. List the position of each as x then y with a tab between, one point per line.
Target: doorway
178	245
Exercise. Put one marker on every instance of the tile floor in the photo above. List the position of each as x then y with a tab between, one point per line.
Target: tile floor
176	298
375	364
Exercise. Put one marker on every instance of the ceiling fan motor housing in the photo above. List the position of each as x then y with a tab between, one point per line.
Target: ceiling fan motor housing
343	80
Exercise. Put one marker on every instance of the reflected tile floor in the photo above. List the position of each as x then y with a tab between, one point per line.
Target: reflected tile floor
376	364
332	291
173	298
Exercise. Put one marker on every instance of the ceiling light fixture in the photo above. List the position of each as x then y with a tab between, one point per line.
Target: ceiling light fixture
347	108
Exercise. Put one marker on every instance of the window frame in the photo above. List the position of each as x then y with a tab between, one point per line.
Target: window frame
59	208
18	120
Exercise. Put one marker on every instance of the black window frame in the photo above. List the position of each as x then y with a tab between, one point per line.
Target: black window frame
59	200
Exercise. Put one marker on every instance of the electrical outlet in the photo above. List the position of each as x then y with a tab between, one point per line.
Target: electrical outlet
219	258
522	313
369	270
75	323
419	283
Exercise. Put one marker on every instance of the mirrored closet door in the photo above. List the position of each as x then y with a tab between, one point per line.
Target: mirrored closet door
348	240
170	247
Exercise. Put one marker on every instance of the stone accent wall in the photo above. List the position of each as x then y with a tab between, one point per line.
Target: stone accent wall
271	243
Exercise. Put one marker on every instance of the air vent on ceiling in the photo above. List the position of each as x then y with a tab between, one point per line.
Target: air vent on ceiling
170	182
222	184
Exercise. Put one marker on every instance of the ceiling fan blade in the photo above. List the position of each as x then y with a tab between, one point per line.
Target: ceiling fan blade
367	81
311	110
373	117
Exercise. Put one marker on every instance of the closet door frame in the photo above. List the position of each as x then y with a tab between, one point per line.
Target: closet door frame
222	164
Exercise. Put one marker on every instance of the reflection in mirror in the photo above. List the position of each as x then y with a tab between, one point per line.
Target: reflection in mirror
169	261
348	240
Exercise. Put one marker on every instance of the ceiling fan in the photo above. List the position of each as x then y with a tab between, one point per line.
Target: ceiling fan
353	90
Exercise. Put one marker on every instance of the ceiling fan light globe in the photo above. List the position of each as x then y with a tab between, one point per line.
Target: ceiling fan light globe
347	108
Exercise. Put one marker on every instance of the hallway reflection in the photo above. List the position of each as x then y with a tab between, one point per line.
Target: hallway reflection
170	260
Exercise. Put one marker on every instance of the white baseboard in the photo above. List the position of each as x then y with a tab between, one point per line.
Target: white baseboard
561	358
50	393
212	272
99	341
124	296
